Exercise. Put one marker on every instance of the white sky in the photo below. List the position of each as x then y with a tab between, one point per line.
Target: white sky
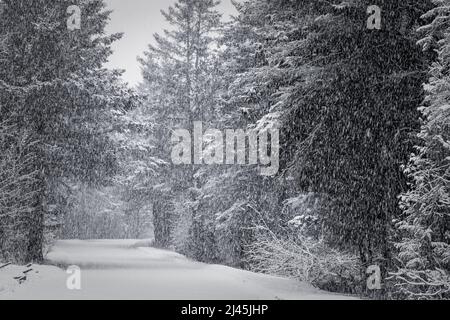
139	20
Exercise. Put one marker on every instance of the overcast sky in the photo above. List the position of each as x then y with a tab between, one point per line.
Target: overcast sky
139	20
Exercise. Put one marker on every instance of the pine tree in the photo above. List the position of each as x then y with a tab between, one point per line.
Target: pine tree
345	98
352	115
139	169
232	201
424	249
180	80
55	88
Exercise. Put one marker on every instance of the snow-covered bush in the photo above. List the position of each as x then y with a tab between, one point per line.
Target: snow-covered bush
302	249
305	259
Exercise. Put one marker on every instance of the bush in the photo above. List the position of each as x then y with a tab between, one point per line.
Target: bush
307	260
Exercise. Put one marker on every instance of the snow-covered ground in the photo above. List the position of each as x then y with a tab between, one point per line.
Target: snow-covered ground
123	269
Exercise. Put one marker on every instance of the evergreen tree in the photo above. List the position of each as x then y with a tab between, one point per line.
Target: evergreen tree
180	80
351	117
240	198
424	249
345	97
55	89
139	169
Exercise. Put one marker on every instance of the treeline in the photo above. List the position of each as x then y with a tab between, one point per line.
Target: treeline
364	176
64	120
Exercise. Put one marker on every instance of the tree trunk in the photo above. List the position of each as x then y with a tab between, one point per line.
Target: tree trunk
35	227
161	223
35	236
36	240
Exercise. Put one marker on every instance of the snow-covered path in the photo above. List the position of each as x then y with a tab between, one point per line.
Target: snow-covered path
122	269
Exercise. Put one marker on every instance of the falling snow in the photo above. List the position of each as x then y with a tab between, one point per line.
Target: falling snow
347	100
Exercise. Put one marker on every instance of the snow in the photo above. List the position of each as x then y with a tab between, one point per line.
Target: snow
123	269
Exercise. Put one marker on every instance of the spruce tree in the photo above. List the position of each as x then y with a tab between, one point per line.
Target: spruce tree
424	249
345	97
54	87
180	81
353	116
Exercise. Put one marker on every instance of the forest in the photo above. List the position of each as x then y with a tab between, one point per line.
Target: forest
352	96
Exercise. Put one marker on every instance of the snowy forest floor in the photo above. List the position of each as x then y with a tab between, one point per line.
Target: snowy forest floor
125	269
